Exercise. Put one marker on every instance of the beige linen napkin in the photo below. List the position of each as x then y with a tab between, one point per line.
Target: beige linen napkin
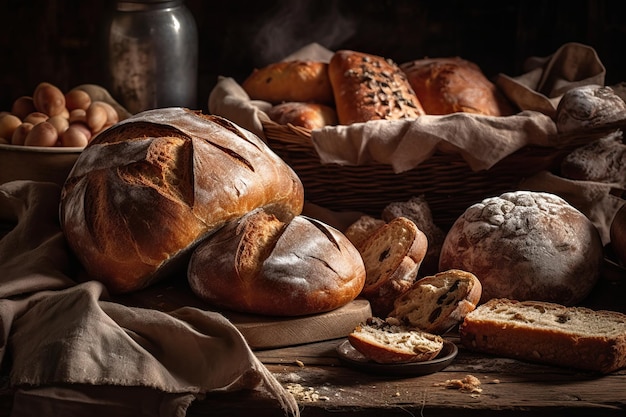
63	340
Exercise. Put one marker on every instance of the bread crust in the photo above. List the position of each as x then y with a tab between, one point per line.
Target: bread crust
452	84
144	192
515	335
297	80
261	265
308	115
369	87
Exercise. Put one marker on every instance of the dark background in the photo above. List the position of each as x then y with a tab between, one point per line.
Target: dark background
59	40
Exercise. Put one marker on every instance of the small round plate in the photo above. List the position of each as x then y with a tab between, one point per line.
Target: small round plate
355	359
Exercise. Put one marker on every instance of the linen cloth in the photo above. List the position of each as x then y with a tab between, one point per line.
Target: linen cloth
70	350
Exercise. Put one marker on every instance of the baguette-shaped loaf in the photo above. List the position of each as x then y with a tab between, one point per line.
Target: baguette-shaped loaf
392	256
439	302
369	87
389	343
548	333
262	265
145	191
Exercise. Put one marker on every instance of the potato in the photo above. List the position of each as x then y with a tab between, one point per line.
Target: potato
8	124
23	106
19	135
78	115
76	135
49	99
60	123
96	116
42	134
77	99
36	117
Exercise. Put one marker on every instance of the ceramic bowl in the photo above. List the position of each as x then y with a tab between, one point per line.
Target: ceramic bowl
48	164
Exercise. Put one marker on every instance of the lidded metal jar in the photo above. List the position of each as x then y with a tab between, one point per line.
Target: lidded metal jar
152	54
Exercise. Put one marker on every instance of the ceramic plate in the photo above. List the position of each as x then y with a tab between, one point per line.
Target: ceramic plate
353	358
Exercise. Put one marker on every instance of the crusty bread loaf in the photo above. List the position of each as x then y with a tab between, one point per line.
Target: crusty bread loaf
392	256
452	84
259	264
526	245
387	343
418	210
308	115
370	87
602	160
549	333
439	302
362	228
587	107
296	80
145	191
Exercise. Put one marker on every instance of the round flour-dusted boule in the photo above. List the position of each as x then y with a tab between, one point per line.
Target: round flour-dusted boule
526	245
144	192
588	107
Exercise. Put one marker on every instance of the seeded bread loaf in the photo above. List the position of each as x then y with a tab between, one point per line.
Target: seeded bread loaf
392	256
146	191
388	343
259	264
369	87
297	80
437	303
452	84
308	115
548	333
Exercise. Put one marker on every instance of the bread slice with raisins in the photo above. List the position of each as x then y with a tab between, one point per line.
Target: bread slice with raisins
437	303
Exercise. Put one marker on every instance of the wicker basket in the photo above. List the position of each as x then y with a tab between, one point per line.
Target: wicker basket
445	180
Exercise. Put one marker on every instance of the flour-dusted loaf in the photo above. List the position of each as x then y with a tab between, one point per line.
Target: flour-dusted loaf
262	265
387	343
145	191
308	115
526	245
295	80
587	107
548	333
437	303
370	87
392	256
451	84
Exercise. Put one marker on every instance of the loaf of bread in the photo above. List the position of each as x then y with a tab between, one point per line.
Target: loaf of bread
147	190
297	80
548	333
308	115
418	210
602	160
526	245
587	107
370	87
363	228
392	256
452	84
387	343
262	265
437	303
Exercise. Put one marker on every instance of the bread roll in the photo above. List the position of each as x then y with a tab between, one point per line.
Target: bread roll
526	245
145	191
439	302
392	256
297	80
387	343
587	107
452	84
369	87
548	333
262	265
308	115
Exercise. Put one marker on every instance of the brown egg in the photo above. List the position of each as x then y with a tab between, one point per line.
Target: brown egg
19	135
76	135
49	99
23	106
42	134
77	99
61	123
8	123
36	117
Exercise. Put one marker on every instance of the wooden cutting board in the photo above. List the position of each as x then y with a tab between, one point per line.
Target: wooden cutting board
261	332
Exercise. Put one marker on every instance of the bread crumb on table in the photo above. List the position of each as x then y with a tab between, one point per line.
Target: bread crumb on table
469	384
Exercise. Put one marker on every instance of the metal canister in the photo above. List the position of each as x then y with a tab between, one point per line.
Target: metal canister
152	54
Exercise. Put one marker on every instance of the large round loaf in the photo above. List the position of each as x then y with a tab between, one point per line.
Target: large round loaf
144	192
526	245
262	265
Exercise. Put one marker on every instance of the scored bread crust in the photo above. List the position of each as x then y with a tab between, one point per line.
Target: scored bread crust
439	302
387	343
392	256
259	264
296	80
370	87
308	115
452	84
145	191
548	333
